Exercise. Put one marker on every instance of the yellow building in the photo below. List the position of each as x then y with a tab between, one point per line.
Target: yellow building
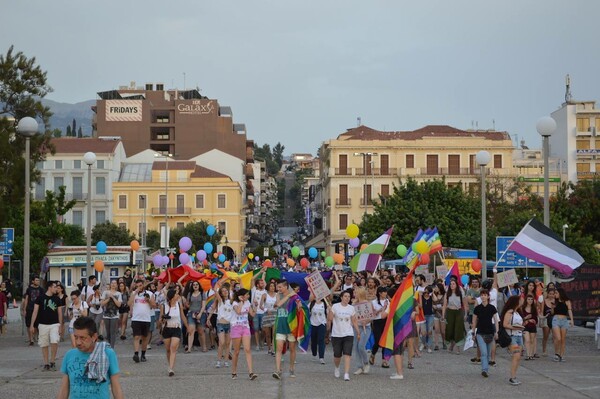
177	193
363	163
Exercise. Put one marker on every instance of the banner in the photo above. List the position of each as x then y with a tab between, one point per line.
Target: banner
584	292
508	277
317	285
124	110
364	311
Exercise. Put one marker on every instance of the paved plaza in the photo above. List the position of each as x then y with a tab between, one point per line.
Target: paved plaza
435	374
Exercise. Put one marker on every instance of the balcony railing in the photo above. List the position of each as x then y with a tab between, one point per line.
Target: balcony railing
343	171
343	201
369	201
171	211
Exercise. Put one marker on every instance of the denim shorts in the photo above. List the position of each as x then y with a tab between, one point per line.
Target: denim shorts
197	322
560	322
516	340
258	321
223	328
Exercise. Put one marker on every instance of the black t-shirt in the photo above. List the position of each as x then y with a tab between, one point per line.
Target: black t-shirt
485	317
427	305
33	293
48	309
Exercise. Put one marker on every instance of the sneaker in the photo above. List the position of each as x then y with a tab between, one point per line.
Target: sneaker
234	376
322	361
143	358
226	364
52	366
492	363
562	359
292	374
485	374
421	347
171	373
46	367
218	364
428	350
514	381
444	346
359	371
436	348
253	376
136	358
556	358
346	377
123	338
336	372
277	375
396	377
366	369
476	360
149	347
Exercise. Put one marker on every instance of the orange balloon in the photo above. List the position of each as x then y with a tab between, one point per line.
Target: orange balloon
338	259
268	263
135	245
290	262
425	259
226	264
215	255
362	247
99	266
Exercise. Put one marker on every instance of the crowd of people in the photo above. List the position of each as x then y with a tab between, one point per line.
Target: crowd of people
229	319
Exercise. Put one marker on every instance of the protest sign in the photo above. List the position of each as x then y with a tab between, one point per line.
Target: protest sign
508	277
317	285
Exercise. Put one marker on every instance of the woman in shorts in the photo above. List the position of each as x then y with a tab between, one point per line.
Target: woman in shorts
561	321
224	315
268	302
546	317
343	323
513	323
124	308
196	315
240	330
529	313
172	318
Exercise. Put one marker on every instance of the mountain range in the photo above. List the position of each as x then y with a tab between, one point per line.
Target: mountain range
64	113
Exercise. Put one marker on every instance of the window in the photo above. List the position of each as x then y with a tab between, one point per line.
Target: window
123	226
78	218
182	175
472	164
432	165
221	201
583	144
454	164
78	187
58	182
180	225
368	164
100	217
180	204
122	202
66	277
385	190
498	161
162	203
343	221
40	189
344	194
77	164
343	161
58	164
410	161
583	167
199	201
222	226
385	164
100	164
141	201
583	124
39	165
100	185
598	141
369	190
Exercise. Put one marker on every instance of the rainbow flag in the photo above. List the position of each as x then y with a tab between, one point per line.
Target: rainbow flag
412	258
244	266
398	325
210	301
369	258
434	242
299	321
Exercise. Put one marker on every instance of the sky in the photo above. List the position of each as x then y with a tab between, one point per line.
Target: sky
301	73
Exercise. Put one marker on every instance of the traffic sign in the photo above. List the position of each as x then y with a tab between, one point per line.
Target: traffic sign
6	241
511	258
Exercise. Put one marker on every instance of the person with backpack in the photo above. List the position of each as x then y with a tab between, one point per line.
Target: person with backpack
77	309
33	292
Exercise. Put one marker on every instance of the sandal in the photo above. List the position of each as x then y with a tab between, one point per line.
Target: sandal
233	376
385	365
372	360
253	376
410	365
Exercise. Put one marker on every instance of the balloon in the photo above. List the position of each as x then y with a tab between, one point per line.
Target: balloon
185	243
201	255
329	261
222	258
101	247
268	263
256	258
401	250
157	260
464	279
250	255
171	256
476	265
295	252
184	259
135	245
216	255
338	259
304	263
165	260
1	263
226	264
208	248
205	262
210	230
323	254
425	259
312	252
421	247
352	231
99	266
290	262
354	242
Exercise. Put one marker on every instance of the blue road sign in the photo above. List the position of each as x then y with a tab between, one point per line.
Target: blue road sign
6	241
511	258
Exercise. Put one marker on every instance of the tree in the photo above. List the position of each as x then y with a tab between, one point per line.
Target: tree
69	132
56	133
74	128
80	132
278	154
196	231
111	234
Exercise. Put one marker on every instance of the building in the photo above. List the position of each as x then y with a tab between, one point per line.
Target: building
529	166
66	168
179	122
263	205
575	141
174	193
363	164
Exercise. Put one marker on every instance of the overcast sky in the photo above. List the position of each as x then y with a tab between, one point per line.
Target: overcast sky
301	72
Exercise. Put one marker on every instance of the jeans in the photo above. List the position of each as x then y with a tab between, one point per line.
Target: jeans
111	326
427	339
317	339
486	352
360	346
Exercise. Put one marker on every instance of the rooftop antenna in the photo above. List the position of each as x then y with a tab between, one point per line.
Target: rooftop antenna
472	124
184	81
493	124
568	96
358	121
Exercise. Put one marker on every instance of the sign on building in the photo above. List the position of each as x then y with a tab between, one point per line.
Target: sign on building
124	110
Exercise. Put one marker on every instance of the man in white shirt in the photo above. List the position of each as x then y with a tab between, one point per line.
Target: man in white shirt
141	304
88	289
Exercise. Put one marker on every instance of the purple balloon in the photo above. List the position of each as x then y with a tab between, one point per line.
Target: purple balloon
256	258
185	243
165	260
157	260
201	255
354	242
184	258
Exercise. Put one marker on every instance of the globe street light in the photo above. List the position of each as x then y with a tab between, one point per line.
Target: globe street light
565	227
545	127
27	127
483	158
89	158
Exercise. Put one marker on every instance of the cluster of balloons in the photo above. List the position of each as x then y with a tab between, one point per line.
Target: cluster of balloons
160	260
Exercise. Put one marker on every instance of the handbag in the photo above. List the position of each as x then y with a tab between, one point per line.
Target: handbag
504	338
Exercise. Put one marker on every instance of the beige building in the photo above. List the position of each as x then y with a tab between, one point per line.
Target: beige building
175	193
363	163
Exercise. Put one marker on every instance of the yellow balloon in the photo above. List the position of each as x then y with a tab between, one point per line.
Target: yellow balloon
352	231
250	256
422	247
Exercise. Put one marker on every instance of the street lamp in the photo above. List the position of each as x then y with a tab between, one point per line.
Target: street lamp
483	158
166	157
89	158
365	155
27	127
565	227
545	127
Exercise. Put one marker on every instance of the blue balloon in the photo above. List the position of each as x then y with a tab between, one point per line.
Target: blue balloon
214	267
464	279
101	247
312	252
208	248
222	258
211	230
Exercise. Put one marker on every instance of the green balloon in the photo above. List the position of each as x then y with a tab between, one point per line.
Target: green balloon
329	261
323	254
295	252
401	250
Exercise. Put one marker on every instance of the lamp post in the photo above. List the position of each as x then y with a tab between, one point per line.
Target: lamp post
166	157
27	127
89	158
545	127
365	155
565	227
483	158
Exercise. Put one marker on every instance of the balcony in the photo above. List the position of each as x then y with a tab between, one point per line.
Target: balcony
369	201
591	131
343	171
343	202
170	211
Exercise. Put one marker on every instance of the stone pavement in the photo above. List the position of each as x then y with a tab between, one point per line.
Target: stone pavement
434	375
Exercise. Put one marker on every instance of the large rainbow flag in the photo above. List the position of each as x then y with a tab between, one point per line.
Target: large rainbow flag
398	325
299	321
244	266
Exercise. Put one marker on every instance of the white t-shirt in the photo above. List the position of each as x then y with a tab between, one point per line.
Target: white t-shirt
242	318
225	311
94	304
317	315
141	310
256	298
77	311
342	320
86	291
377	307
270	302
